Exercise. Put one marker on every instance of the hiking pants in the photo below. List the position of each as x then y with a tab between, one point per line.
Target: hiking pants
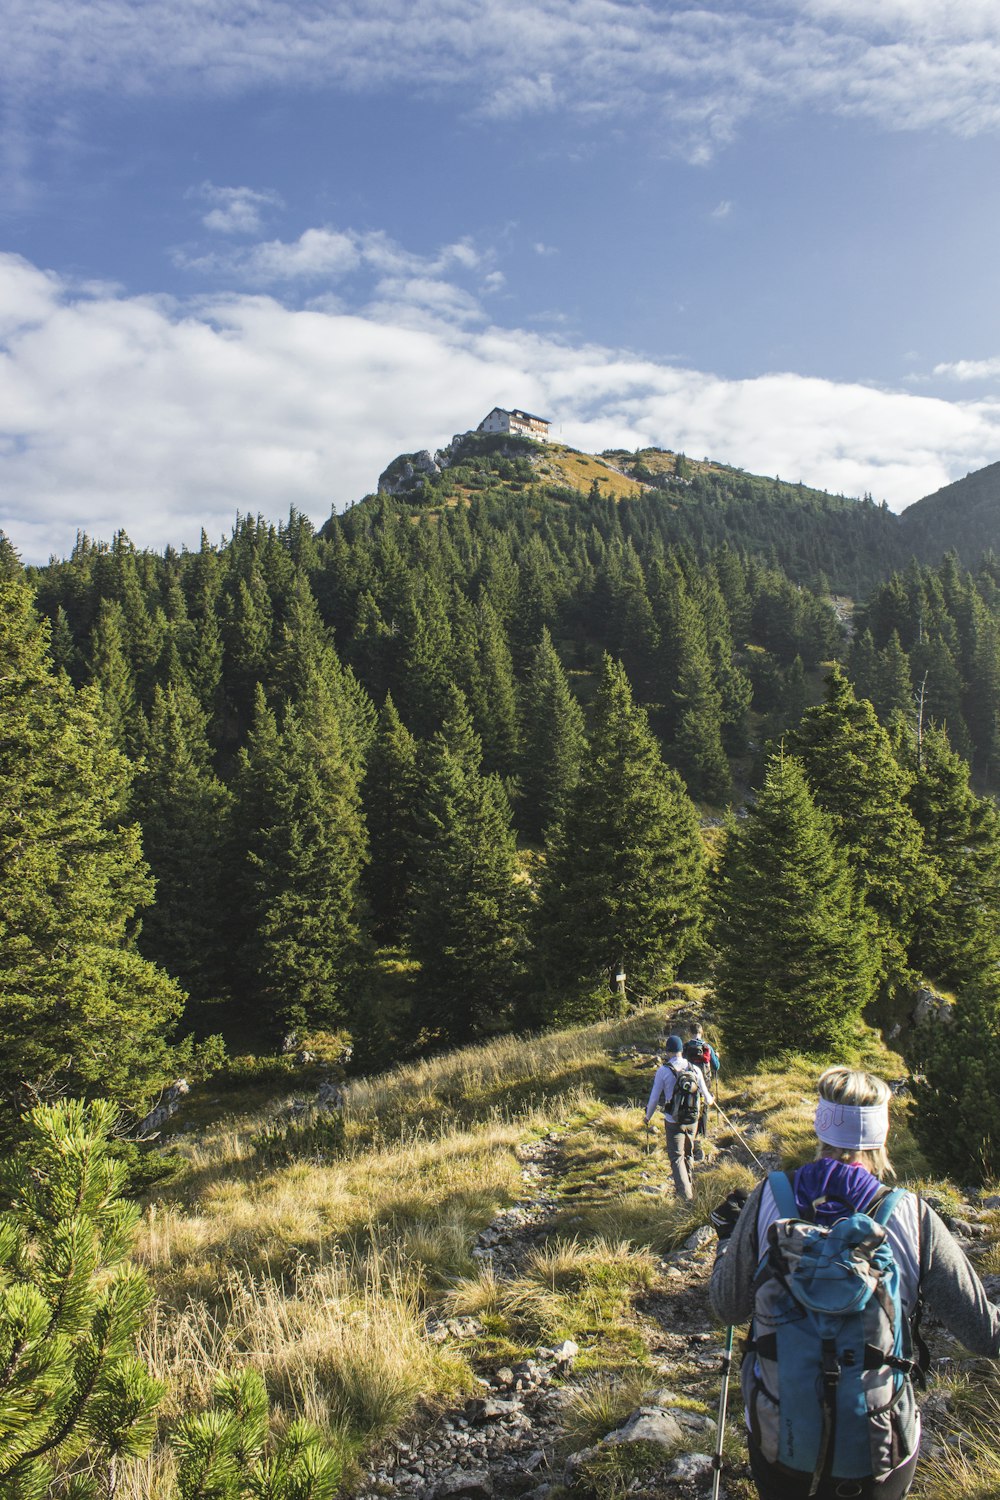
773	1484
680	1149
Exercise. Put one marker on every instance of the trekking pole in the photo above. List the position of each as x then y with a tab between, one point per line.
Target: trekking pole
741	1138
727	1364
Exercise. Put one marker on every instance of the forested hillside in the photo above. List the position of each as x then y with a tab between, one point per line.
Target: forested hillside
447	766
963	517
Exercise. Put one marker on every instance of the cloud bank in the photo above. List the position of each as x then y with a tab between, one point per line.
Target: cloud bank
696	70
162	416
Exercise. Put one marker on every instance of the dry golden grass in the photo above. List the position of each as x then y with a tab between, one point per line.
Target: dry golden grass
560	465
319	1274
969	1466
602	1403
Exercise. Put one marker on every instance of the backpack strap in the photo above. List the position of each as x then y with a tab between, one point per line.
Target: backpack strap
784	1195
923	1359
882	1213
884	1206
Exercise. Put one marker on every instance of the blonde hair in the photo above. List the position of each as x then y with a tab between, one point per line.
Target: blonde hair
852	1086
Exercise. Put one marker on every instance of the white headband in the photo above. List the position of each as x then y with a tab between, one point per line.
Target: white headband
852	1127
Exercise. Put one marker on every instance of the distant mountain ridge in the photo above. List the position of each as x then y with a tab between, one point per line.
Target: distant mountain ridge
963	517
855	543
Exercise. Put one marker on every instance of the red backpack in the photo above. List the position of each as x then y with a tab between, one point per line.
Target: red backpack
699	1053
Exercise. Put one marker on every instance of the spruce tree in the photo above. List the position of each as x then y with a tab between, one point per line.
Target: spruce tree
856	779
552	742
957	939
301	843
795	966
465	912
686	683
111	671
183	809
496	709
389	796
623	879
80	1009
893	688
956	1113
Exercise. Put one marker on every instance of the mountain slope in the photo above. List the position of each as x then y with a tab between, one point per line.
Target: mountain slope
964	516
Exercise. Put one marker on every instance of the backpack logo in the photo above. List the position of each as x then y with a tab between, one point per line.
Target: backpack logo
828	1319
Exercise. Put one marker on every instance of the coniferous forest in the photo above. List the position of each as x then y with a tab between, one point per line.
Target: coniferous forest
446	766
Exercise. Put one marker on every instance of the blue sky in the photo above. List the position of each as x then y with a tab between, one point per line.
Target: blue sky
250	251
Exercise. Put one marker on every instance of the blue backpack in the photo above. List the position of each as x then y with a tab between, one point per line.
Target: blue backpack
827	1377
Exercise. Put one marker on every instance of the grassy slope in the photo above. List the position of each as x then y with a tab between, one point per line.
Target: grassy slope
321	1273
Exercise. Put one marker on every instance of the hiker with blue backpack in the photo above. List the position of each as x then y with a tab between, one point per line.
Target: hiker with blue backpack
684	1093
833	1268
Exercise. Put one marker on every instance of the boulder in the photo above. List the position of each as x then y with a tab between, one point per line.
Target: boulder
691	1466
929	1006
406	471
650	1424
475	1484
701	1236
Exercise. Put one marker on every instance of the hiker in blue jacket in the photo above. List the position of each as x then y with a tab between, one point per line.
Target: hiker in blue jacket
684	1093
757	1240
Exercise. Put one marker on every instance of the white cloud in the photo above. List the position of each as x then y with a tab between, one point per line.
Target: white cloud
722	210
235	210
328	254
696	71
970	369
162	417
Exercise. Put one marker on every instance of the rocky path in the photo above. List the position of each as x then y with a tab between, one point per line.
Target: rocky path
501	1442
508	1441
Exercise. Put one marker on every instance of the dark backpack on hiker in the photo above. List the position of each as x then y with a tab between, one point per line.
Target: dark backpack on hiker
685	1101
828	1373
698	1053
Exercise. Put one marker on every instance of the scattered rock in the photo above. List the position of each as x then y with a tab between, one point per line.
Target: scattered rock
405	471
650	1424
701	1236
456	1485
689	1466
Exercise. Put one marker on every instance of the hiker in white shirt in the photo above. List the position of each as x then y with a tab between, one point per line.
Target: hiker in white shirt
684	1093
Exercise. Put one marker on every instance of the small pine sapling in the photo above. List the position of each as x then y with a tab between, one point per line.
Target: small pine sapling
229	1453
75	1400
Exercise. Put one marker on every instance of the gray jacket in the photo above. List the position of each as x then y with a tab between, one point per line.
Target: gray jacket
950	1287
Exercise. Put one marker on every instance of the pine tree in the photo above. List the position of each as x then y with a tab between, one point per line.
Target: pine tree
624	873
389	796
183	809
423	689
957	1108
855	777
464	919
795	967
686	682
111	672
863	665
496	709
79	1008
229	1453
957	939
552	742
77	1399
893	687
302	845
